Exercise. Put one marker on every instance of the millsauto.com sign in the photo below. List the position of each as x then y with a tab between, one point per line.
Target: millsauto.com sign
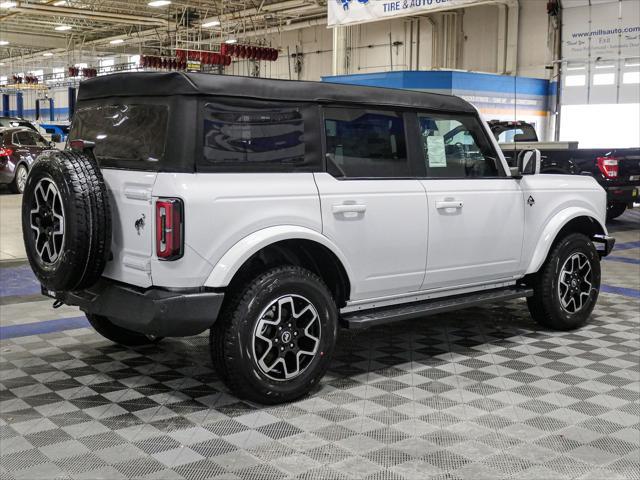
347	12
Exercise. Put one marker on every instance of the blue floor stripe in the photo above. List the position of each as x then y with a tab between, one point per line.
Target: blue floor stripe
627	292
18	281
613	258
39	328
626	246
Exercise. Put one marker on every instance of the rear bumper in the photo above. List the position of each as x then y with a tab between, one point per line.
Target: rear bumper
623	194
154	311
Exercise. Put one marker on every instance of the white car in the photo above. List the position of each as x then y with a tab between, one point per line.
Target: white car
273	212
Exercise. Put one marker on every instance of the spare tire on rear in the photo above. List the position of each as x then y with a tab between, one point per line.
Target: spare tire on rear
66	220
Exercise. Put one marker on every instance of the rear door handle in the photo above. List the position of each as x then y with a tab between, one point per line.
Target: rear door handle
349	208
449	204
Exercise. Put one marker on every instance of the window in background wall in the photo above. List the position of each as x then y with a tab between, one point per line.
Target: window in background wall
57	74
106	66
135	60
575	80
631	77
584	123
3	80
604	78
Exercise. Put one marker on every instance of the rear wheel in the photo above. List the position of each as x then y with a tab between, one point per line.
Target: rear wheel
20	179
116	334
615	209
566	287
273	342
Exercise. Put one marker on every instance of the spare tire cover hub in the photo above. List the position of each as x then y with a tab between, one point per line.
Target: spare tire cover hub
47	221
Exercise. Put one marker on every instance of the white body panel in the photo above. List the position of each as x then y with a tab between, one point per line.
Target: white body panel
381	226
558	199
223	209
130	195
479	237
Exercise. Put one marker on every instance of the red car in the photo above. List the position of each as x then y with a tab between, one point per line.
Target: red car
19	147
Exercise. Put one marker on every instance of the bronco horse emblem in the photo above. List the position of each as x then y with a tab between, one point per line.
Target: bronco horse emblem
140	223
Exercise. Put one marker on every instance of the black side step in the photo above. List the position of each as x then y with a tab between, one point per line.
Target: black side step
396	313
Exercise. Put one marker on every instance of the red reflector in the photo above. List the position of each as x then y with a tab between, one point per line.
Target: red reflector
608	166
6	152
169	229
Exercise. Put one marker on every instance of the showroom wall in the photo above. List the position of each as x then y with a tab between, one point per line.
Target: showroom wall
601	73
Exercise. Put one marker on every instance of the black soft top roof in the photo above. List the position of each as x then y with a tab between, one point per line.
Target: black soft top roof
144	84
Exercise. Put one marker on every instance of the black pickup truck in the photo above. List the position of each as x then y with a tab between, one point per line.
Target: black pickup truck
616	169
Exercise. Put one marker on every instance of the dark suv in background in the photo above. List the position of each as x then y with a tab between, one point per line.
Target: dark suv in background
19	148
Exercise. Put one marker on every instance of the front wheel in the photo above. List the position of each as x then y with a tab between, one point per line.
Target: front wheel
566	287
274	340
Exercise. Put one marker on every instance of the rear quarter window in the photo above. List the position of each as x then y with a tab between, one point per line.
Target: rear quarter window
129	135
254	138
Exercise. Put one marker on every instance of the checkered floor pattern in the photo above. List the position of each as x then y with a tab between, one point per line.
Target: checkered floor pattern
476	394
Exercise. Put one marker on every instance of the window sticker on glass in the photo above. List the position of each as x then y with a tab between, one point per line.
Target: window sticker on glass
436	152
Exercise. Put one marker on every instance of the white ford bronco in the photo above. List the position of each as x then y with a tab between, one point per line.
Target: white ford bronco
272	212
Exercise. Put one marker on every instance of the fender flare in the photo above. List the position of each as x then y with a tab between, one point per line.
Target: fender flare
236	256
550	232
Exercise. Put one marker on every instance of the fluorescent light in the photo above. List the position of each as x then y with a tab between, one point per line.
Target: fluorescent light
116	41
47	54
4	42
63	28
59	3
8	4
231	40
159	3
212	23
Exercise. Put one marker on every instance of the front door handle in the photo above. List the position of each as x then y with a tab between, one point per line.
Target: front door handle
349	208
449	204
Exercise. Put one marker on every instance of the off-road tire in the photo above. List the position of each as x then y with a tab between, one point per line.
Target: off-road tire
14	186
232	335
615	209
119	335
545	305
87	220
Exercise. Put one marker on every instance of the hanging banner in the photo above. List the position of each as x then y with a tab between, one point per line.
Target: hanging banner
349	12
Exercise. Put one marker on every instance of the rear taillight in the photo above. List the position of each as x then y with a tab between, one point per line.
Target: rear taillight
169	228
608	166
5	152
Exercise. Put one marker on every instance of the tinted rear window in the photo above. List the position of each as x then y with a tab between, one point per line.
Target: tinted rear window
255	137
132	135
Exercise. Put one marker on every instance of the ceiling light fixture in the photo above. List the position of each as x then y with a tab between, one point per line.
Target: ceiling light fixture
4	42
231	40
8	4
47	54
59	3
159	3
63	28
212	23
116	41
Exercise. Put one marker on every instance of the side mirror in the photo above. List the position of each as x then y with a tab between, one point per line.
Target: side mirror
529	163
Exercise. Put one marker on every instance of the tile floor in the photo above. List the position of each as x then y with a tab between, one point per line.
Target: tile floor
476	394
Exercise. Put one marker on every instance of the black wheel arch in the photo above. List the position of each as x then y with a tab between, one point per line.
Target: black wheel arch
307	254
